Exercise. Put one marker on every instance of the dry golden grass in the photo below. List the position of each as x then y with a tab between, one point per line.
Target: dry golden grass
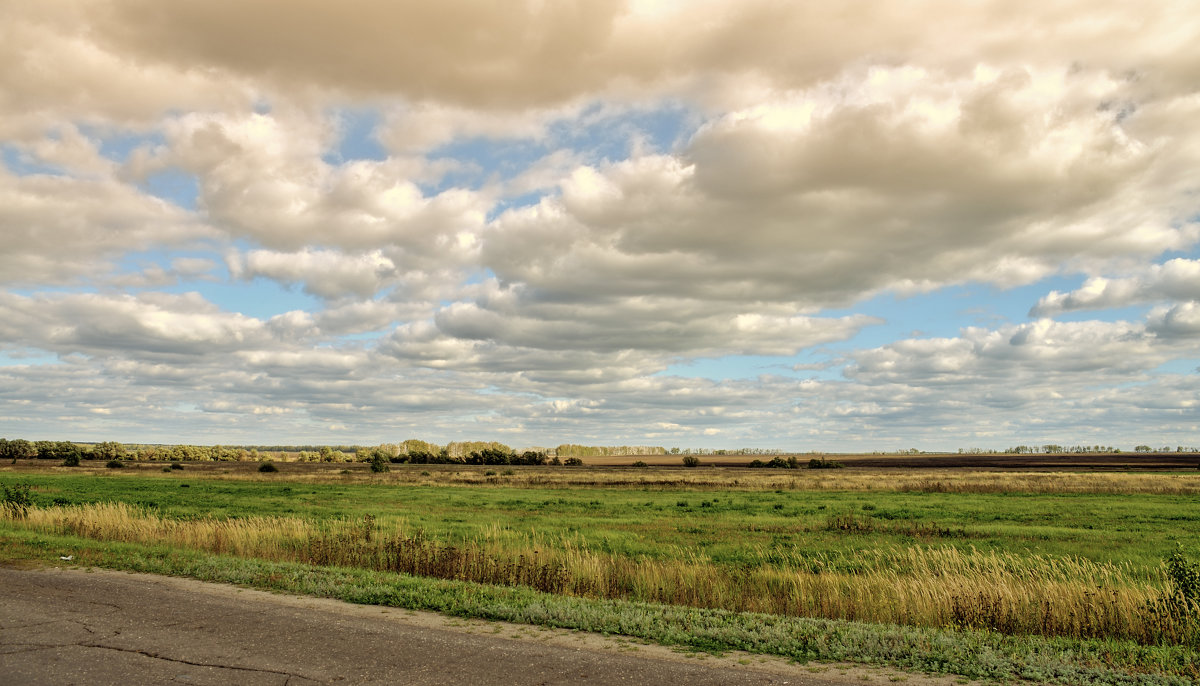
922	480
1053	596
880	480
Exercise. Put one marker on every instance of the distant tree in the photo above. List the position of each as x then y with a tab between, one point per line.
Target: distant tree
109	450
533	457
691	461
68	452
822	463
380	462
1142	448
16	449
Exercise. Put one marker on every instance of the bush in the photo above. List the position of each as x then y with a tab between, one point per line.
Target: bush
17	499
573	462
1177	610
114	464
691	461
822	463
1185	577
71	460
175	465
380	463
167	469
640	463
268	466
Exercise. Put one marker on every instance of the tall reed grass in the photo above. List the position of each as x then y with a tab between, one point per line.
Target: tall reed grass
920	586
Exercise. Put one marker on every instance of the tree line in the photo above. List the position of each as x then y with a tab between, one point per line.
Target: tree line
416	451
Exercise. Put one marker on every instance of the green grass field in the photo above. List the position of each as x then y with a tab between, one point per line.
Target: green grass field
729	526
1018	566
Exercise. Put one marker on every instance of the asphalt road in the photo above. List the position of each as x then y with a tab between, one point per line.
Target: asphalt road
73	626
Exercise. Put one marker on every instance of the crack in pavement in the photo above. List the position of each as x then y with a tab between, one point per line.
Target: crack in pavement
30	626
29	648
157	656
32	647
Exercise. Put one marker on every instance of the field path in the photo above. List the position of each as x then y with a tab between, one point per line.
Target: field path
74	626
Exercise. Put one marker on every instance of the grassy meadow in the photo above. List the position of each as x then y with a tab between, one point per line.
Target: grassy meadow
1075	557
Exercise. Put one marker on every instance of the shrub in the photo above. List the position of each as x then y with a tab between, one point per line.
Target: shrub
691	461
114	464
380	463
573	462
175	465
1177	610
640	463
268	466
71	460
1185	577
167	469
17	499
822	463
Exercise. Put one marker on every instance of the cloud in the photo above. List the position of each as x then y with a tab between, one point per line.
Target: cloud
59	229
577	199
50	49
151	324
900	179
420	128
531	54
264	177
1177	321
1177	279
1043	351
512	317
324	273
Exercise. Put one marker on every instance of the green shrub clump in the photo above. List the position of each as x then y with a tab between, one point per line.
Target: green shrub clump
822	463
17	499
691	461
114	464
268	466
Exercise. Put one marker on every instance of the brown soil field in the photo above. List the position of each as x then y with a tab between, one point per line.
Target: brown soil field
989	462
985	462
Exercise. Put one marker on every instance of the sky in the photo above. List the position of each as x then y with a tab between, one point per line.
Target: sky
846	226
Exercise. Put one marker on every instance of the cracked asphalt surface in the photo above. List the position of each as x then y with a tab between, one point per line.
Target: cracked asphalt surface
75	626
